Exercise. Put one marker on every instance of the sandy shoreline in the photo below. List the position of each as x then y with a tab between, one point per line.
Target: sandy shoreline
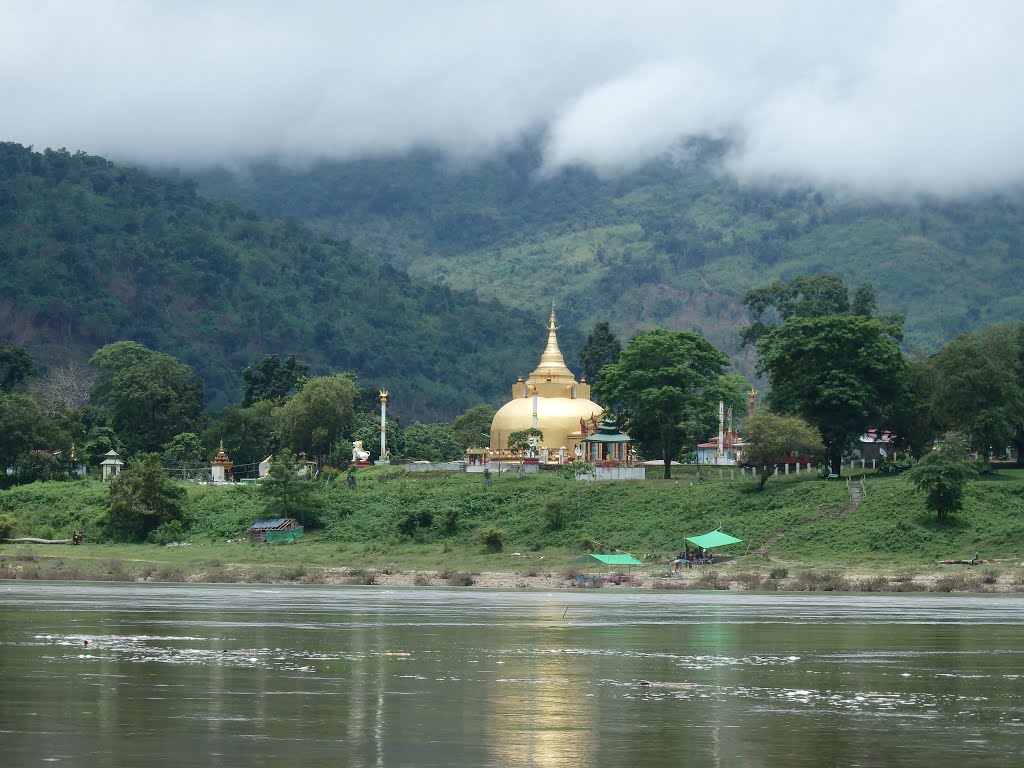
800	578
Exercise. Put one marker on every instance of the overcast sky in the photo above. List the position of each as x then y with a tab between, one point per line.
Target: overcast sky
886	97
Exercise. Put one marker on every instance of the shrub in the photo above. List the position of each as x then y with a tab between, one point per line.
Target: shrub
554	514
492	538
169	533
361	576
449	519
749	580
572	573
421	581
711	580
460	579
778	573
989	576
6	526
824	581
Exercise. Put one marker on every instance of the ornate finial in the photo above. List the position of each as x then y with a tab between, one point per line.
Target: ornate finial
551	321
383	395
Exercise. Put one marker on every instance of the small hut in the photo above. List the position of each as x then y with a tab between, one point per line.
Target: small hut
111	465
276	530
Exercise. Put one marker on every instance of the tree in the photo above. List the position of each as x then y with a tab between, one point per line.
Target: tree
473	427
519	441
807	296
185	451
64	387
16	367
273	380
942	474
978	387
325	403
839	372
23	427
286	494
110	360
431	442
664	383
601	348
773	438
249	434
142	498
154	400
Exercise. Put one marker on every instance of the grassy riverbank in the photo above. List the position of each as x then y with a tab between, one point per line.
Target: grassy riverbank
409	528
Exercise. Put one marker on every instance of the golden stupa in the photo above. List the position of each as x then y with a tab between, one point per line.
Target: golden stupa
553	397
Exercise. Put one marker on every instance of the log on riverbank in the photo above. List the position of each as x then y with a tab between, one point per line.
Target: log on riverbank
33	540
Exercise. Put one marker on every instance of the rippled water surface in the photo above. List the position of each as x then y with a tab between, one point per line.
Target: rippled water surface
122	675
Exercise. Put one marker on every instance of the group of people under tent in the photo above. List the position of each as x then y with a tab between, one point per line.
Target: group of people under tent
690	557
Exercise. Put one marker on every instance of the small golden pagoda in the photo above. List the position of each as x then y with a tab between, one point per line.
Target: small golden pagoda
550	399
221	469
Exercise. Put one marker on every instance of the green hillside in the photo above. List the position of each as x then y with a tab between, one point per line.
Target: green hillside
673	244
93	252
411	519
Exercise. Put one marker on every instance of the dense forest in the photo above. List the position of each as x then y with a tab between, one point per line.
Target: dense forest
94	253
676	243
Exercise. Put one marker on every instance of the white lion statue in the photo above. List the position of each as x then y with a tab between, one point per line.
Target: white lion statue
358	454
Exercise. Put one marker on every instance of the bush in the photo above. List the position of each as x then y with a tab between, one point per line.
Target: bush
492	538
778	573
6	526
169	533
460	580
554	514
748	580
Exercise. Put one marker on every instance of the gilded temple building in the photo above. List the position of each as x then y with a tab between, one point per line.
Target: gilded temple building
552	400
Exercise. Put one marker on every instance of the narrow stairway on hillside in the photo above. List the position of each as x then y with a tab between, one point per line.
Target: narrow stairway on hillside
855	499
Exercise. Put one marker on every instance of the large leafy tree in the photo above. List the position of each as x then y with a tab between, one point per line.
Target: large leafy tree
942	474
154	400
473	427
772	438
839	372
23	427
142	498
601	348
16	367
185	452
431	442
807	296
319	414
273	379
249	434
664	383
978	387
110	360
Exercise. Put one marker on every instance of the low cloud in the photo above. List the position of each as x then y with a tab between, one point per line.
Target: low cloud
877	97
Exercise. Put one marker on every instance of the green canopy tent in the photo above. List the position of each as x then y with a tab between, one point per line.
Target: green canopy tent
627	560
607	560
713	540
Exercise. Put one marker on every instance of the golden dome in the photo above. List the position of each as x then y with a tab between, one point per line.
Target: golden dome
557	418
561	401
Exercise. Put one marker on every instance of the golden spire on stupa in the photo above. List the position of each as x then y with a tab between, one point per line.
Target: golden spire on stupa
552	365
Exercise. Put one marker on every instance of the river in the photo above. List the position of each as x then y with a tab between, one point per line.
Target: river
161	675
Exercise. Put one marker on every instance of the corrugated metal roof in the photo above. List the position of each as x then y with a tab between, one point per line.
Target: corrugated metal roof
269	525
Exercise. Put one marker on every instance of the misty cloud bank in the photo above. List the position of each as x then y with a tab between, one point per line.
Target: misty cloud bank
880	97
